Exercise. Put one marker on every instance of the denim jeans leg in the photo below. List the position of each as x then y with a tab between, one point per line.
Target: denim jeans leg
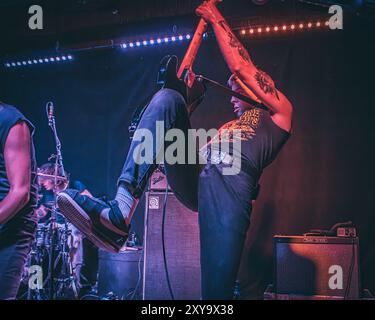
224	218
168	106
15	244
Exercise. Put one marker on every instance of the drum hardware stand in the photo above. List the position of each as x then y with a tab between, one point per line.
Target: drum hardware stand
66	263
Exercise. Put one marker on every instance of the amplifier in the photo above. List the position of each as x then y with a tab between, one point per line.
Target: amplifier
317	266
158	181
121	274
182	249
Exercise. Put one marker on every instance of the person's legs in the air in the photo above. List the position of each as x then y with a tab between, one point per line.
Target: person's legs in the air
106	223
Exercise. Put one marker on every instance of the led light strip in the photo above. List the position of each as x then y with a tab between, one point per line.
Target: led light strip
157	41
35	61
154	41
283	28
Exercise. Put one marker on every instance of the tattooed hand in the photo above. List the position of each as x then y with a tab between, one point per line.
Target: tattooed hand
208	11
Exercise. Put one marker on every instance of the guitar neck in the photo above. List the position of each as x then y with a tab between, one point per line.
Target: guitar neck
230	92
192	51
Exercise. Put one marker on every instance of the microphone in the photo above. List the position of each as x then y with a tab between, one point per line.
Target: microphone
50	113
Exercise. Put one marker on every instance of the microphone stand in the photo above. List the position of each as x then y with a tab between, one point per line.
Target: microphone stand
53	219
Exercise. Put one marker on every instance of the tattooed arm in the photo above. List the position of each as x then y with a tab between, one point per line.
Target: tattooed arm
240	63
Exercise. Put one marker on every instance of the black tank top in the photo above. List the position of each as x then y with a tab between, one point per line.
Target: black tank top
261	139
10	116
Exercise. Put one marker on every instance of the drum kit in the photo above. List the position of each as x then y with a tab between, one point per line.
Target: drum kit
53	251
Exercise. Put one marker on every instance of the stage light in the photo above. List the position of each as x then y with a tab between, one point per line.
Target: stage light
302	26
160	40
36	61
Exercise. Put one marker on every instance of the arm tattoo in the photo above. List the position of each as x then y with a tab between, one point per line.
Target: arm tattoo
266	83
234	43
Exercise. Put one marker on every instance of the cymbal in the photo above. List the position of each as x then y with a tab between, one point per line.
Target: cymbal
50	176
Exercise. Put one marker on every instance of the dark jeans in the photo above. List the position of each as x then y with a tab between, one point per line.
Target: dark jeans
90	264
16	238
223	202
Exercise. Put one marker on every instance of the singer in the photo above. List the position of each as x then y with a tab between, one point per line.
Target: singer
18	193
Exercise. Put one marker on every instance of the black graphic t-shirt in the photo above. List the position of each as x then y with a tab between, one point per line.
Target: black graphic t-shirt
261	139
10	116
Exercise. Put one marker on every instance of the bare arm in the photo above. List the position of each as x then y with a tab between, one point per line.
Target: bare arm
18	168
241	64
86	193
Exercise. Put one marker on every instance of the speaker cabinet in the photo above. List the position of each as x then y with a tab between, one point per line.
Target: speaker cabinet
317	266
121	274
181	246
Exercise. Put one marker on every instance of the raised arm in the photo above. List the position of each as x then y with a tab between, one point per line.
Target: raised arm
18	168
241	64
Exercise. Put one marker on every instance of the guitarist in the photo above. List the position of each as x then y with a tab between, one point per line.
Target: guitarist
224	201
224	216
18	196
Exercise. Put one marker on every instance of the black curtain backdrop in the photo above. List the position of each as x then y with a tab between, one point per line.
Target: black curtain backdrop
323	175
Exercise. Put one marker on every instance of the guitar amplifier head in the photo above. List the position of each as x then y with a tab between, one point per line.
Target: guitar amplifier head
158	181
317	266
